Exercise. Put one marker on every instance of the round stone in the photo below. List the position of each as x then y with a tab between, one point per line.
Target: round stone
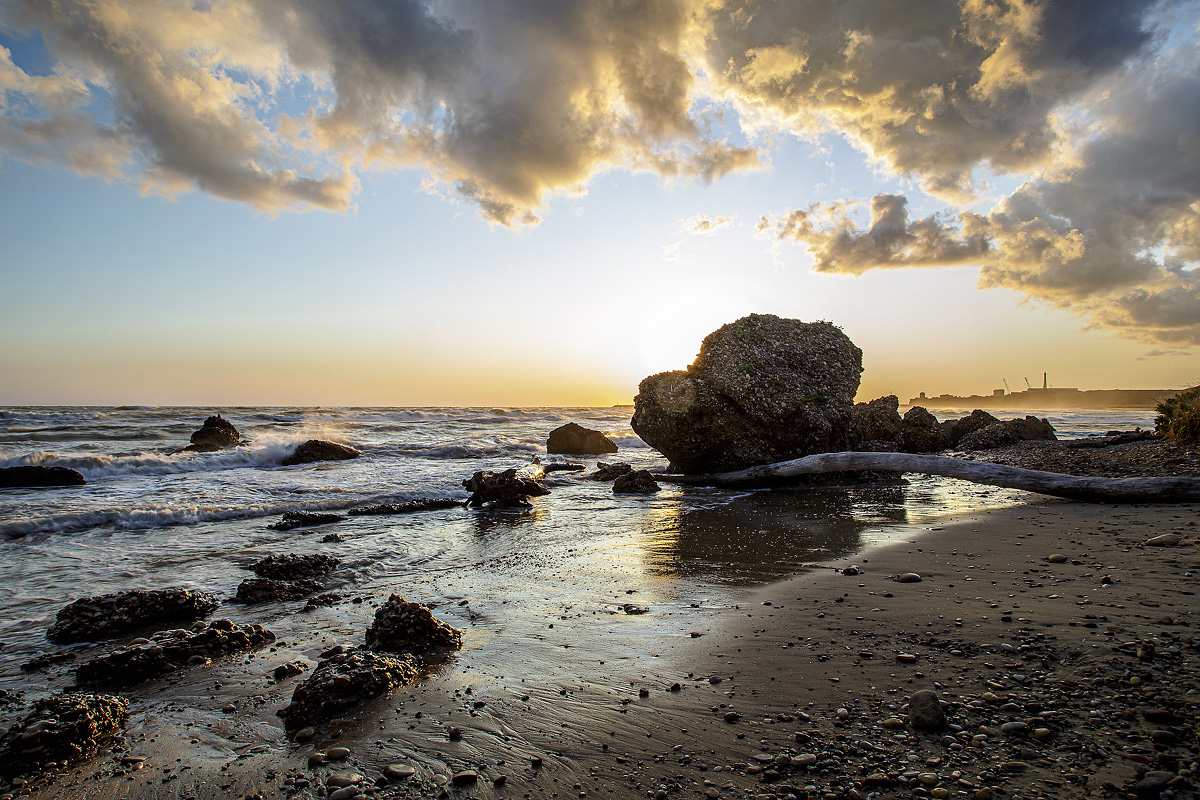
337	753
1057	558
399	772
908	577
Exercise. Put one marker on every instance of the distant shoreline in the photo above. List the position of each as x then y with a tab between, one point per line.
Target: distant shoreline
1051	398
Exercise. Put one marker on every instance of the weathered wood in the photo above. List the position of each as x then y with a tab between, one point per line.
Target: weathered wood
1074	487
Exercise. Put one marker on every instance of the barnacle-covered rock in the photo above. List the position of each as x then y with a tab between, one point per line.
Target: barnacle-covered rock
319	450
507	488
1002	434
342	681
404	627
303	519
407	507
65	728
290	567
168	651
90	618
638	481
610	472
875	426
922	433
763	389
265	590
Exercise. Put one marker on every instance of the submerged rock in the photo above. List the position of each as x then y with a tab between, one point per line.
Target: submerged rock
507	488
344	680
169	651
304	519
319	450
291	567
265	590
216	434
37	477
1001	434
610	472
576	440
404	627
636	482
408	507
763	389
61	729
90	618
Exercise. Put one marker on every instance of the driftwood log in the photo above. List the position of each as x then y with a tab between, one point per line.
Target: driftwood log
1074	487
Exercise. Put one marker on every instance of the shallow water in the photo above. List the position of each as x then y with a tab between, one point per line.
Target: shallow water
149	518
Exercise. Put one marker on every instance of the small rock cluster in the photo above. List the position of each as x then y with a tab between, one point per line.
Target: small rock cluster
304	519
95	617
610	472
344	680
502	489
168	651
61	729
291	567
407	507
635	482
878	427
404	627
266	590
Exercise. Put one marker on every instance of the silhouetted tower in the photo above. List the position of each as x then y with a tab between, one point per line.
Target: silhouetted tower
1045	380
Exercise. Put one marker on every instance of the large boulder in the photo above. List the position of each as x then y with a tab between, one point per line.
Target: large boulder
1002	434
319	450
875	426
576	440
38	477
920	432
763	389
217	433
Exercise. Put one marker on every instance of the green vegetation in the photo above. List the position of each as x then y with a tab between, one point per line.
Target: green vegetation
1179	416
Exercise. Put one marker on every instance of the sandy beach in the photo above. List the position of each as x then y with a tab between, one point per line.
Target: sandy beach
1070	679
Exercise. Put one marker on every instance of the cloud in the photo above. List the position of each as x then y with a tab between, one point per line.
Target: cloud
1159	352
702	224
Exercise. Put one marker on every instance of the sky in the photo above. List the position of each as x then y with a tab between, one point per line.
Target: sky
541	202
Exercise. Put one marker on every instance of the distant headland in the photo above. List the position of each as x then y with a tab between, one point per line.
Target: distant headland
1049	397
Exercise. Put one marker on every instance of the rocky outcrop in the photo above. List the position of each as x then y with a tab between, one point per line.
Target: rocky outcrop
576	440
92	618
38	477
292	567
344	680
61	730
303	519
1002	434
507	488
875	426
763	389
319	450
265	590
959	428
920	432
403	627
216	434
166	652
638	481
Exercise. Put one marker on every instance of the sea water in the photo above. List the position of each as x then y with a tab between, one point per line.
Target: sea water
152	517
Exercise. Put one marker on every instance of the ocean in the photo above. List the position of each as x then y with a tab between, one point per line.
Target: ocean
151	517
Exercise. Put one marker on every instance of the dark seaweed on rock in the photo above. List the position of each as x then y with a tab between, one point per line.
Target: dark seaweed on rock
408	507
39	477
265	590
90	618
404	627
170	651
292	567
304	519
66	728
342	681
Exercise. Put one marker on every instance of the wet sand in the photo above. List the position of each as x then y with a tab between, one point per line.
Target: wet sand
797	689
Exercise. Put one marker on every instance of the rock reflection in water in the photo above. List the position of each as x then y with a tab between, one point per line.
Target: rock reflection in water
767	535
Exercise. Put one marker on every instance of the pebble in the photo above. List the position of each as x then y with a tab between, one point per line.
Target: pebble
342	779
304	734
399	772
908	577
464	778
925	710
906	658
344	794
1014	727
1165	540
1057	558
804	760
337	753
316	759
